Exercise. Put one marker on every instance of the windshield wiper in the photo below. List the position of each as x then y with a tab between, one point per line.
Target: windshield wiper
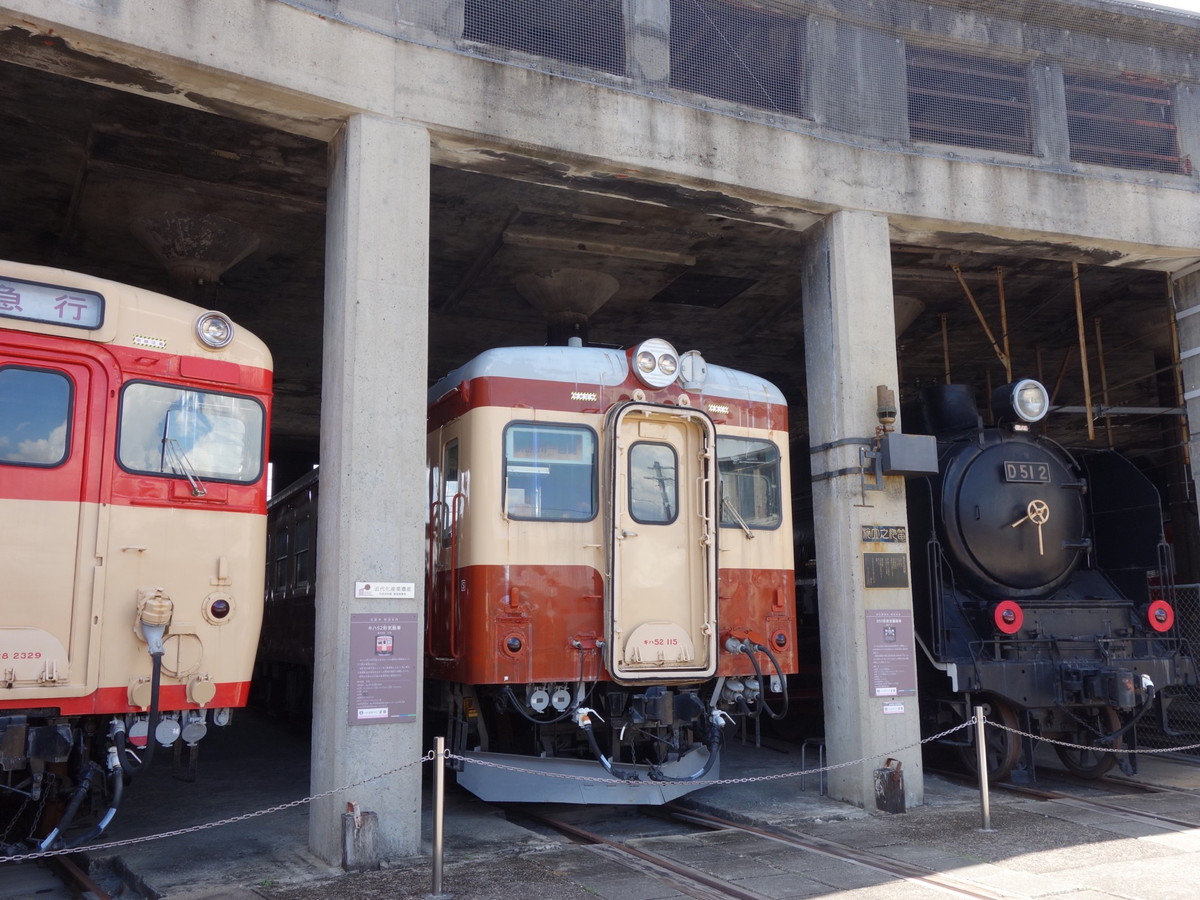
728	505
181	464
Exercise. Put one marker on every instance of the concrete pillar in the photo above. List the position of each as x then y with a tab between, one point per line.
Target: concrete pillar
857	79
1187	314
850	348
372	465
648	40
1048	104
1187	122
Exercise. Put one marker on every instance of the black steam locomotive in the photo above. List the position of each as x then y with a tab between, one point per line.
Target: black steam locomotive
1041	586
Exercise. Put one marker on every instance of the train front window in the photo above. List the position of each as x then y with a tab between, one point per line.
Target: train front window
169	430
653	483
750	477
549	472
34	408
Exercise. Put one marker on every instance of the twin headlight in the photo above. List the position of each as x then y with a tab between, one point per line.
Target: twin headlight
655	362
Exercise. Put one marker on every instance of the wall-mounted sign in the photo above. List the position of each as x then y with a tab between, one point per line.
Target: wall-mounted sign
891	661
404	590
383	668
884	534
885	570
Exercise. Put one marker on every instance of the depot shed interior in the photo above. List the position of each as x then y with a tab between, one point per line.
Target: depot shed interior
148	169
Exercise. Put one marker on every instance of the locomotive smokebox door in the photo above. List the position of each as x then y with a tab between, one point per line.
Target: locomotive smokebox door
889	787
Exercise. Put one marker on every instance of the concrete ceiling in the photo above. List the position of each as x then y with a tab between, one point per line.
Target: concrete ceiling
141	191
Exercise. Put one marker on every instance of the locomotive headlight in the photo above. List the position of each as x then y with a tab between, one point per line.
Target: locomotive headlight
1026	400
655	362
214	330
1160	615
1008	616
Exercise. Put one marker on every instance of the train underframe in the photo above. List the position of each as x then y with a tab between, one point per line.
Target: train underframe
599	742
62	778
1086	708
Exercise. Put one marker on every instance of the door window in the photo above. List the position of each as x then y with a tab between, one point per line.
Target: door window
653	483
34	412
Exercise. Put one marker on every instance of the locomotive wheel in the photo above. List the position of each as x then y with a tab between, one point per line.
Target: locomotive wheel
1090	763
1003	748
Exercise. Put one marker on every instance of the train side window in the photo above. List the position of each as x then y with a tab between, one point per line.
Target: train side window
750	482
35	406
303	552
281	558
653	483
550	472
171	430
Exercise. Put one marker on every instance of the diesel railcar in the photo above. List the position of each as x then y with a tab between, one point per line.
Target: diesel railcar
610	567
133	439
1034	585
609	581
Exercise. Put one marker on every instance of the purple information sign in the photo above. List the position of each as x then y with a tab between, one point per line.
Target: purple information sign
890	653
383	668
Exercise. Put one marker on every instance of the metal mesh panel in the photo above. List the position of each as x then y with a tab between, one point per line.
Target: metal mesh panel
1094	88
1126	121
737	53
972	101
1181	723
588	33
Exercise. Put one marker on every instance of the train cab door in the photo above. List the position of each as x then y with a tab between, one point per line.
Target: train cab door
661	596
49	518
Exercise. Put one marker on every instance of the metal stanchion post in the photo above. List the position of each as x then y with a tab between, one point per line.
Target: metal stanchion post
439	798
981	757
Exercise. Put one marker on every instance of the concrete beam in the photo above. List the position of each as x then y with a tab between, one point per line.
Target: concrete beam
495	118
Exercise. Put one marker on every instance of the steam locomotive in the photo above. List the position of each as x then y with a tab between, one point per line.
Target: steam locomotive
1041	585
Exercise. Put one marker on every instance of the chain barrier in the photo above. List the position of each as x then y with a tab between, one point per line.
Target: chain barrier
128	842
1099	745
448	756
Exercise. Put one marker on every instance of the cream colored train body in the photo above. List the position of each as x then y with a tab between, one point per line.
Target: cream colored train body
610	568
133	433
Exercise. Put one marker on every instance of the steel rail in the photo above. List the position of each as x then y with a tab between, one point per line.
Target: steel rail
854	855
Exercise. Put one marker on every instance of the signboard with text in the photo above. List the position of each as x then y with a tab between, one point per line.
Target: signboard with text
383	668
891	659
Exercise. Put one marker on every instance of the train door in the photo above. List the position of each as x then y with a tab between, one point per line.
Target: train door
661	601
48	517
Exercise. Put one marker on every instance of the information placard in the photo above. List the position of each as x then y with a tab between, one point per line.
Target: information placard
383	668
885	570
891	659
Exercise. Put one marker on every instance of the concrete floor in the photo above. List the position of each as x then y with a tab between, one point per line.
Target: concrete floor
1036	849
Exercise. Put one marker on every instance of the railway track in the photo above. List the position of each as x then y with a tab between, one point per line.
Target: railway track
697	878
57	878
1109	784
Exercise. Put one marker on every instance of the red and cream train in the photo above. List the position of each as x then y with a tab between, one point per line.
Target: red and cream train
610	567
609	579
133	433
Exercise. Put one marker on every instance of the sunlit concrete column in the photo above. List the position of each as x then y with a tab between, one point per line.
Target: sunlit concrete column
850	348
1187	316
372	464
